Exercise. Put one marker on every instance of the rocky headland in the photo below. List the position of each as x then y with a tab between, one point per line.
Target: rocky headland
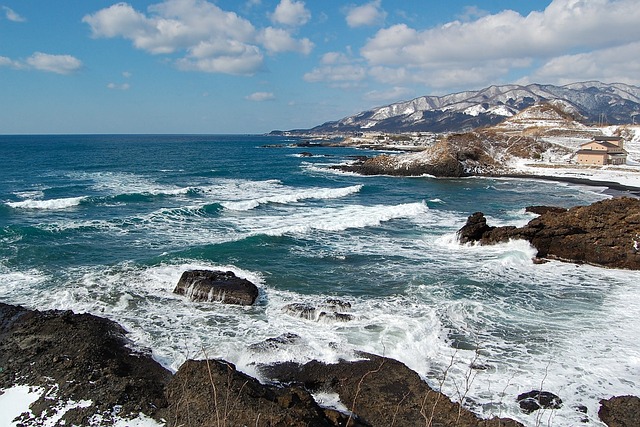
605	233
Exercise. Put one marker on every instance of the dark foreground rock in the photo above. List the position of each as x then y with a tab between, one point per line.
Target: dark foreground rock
85	357
81	357
535	399
621	411
382	392
223	286
214	393
606	233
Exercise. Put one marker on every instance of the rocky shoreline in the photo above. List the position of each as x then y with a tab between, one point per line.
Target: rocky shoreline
88	360
86	372
605	233
86	365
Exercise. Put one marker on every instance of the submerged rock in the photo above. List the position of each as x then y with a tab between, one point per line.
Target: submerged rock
605	233
223	286
329	310
535	399
275	343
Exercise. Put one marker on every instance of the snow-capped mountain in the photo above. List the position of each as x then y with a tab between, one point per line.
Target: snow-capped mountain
590	102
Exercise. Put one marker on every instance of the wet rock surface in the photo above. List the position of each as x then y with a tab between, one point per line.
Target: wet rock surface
381	392
605	233
78	357
214	393
213	285
81	357
620	411
535	399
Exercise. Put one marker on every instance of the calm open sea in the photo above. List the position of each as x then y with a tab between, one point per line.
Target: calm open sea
107	224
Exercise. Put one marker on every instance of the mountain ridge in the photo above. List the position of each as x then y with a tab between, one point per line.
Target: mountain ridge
591	101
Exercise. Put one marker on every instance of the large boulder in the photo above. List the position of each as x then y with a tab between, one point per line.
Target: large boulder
381	392
211	285
606	233
620	411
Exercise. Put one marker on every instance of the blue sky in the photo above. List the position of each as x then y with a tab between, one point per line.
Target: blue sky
252	66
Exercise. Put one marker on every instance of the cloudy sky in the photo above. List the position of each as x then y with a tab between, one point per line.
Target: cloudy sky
251	66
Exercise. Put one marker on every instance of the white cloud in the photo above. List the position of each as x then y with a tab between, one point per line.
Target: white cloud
492	46
277	40
366	15
344	76
392	94
291	12
472	12
121	86
609	65
228	57
11	15
338	70
210	39
60	64
261	96
8	62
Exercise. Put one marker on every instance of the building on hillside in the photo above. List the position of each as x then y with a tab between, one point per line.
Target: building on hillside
603	150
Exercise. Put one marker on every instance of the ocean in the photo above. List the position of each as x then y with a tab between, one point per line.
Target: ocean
106	224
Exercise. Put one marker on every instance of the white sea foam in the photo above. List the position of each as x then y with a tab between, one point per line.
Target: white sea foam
53	204
32	194
554	325
296	196
305	220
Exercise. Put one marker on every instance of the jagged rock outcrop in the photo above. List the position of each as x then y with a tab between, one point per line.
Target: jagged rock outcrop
223	286
214	393
483	152
78	357
620	411
382	392
606	233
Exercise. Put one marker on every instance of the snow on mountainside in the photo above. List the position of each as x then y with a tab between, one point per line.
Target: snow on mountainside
590	102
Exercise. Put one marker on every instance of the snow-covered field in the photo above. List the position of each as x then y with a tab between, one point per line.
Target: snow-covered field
554	164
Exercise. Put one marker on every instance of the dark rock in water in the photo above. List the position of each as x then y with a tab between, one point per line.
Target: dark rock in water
382	392
87	357
474	229
539	210
330	310
339	317
605	233
338	304
306	154
536	399
223	286
275	343
620	411
214	393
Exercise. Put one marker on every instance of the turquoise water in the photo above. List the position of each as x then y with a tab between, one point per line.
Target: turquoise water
106	224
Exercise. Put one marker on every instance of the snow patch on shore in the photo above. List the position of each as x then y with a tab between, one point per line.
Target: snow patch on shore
15	402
